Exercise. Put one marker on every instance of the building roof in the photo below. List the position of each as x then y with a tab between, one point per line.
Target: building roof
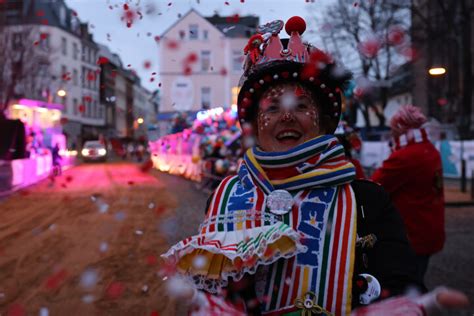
235	26
230	26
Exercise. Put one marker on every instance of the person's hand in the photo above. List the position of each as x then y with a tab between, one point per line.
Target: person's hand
442	298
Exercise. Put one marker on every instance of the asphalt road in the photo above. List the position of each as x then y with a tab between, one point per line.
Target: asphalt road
88	243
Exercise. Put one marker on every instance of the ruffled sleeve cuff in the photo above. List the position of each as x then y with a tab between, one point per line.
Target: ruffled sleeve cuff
212	258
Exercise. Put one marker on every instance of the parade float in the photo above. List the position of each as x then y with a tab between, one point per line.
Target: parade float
37	130
209	148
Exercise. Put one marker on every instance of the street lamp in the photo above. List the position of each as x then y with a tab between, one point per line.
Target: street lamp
140	120
62	93
437	71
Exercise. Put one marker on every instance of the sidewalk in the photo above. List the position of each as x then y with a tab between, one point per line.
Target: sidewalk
454	197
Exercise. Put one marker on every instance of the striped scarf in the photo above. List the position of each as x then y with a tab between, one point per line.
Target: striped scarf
317	174
309	249
412	136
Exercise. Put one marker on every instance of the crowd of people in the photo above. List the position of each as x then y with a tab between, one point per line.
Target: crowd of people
298	230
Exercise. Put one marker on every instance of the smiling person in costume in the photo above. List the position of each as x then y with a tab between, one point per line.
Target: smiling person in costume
294	233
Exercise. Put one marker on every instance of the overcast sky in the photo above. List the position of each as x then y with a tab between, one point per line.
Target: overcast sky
136	44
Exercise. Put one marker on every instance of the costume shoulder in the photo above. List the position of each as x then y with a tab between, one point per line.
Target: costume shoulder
374	199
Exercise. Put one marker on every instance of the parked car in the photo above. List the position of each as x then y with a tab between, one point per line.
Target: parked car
94	150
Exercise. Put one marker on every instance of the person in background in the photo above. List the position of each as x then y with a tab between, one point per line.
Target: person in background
413	177
56	159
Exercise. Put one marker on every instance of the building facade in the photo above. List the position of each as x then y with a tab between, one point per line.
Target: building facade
56	59
201	62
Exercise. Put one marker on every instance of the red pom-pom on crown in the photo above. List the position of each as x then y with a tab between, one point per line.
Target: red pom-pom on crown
295	24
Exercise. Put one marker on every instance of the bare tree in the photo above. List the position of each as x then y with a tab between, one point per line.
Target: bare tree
442	33
360	34
25	64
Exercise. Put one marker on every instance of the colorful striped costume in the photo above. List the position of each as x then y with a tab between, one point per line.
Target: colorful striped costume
307	252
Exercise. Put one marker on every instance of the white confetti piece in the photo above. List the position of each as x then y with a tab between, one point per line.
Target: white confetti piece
138	232
88	298
89	278
103	247
43	311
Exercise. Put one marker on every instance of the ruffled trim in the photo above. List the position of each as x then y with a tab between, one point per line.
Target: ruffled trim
211	259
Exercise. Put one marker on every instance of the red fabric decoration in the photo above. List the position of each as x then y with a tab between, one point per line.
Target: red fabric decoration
252	47
295	24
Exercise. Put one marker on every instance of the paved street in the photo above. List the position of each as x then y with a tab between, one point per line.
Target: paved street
87	243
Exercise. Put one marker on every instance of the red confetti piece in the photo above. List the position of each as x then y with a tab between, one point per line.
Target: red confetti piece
169	4
151	260
87	98
159	210
125	6
242	1
115	290
90	76
154	313
102	60
187	71
74	13
152	79
129	65
396	36
147	64
130	182
69	178
82	108
44	22
40	13
223	72
147	165
36	43
44	36
226	3
442	101
157	38
171	44
159	85
355	4
16	310
370	48
55	280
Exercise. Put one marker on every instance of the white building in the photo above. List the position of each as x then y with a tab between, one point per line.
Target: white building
201	62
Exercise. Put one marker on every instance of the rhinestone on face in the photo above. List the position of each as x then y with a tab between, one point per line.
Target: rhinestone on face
311	79
335	104
331	95
336	114
251	90
261	81
295	74
275	77
322	86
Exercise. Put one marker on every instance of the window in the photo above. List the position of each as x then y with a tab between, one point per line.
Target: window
182	34
206	97
43	68
205	34
64	72
17	42
205	60
84	77
74	104
64	102
44	44
237	60
64	46
74	51
193	31
74	77
83	55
